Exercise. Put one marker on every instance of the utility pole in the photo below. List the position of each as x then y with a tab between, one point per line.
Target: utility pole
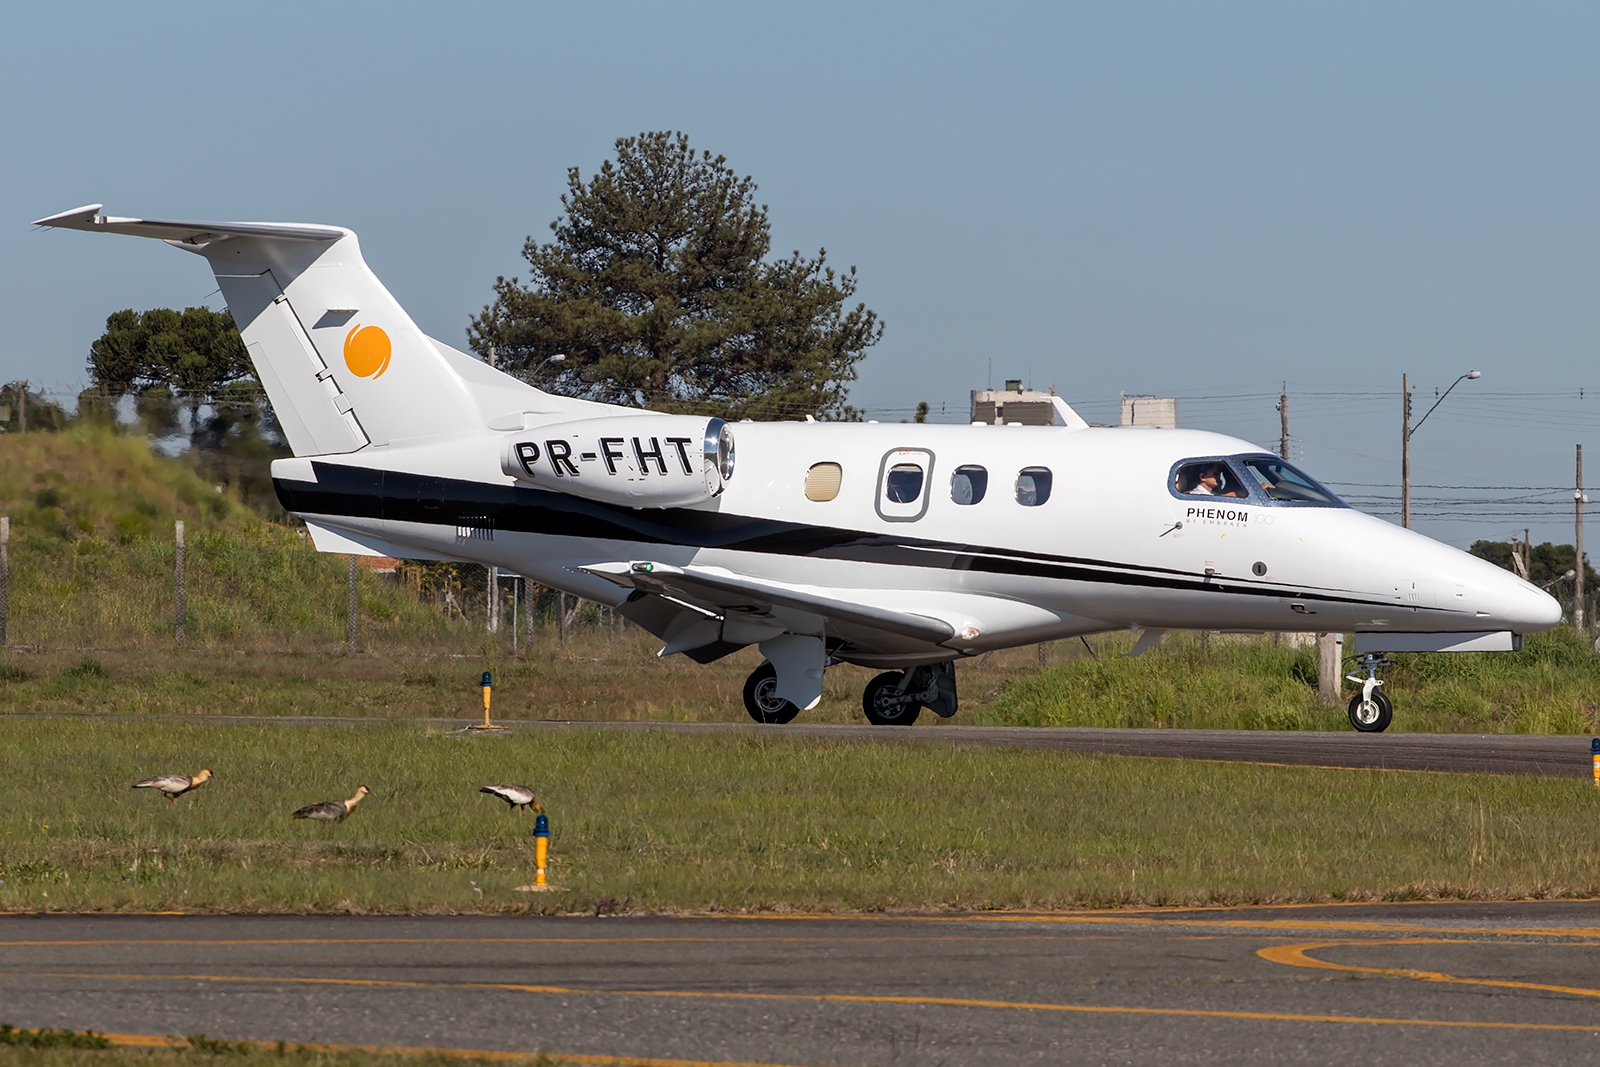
493	590
1405	451
1578	500
1283	418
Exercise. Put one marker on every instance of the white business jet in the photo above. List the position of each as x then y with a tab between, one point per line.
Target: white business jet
902	546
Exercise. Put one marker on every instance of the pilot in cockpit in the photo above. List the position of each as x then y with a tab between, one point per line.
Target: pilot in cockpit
1212	479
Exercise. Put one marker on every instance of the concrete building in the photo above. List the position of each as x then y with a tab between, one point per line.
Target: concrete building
1013	405
1160	412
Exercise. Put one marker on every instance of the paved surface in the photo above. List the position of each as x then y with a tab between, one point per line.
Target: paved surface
1551	756
1562	756
1403	984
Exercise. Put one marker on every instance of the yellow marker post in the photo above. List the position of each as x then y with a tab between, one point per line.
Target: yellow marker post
541	853
488	685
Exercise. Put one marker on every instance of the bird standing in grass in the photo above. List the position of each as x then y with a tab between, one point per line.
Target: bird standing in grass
518	796
332	810
174	786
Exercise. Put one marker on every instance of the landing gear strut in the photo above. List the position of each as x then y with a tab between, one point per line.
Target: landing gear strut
761	697
1370	710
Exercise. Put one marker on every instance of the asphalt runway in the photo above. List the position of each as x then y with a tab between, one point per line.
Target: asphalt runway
1404	984
1551	756
1543	755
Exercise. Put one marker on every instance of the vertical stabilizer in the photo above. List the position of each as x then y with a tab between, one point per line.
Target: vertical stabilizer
341	361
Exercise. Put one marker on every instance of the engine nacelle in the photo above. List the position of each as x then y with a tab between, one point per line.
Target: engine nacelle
640	461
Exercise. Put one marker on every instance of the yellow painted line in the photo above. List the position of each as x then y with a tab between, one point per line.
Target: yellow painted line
1149	909
1328	925
819	998
161	1041
1295	956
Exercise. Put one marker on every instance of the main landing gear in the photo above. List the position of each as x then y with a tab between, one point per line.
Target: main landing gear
895	698
761	697
1370	710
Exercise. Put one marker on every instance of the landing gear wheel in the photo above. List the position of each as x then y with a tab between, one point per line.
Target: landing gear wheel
884	704
761	697
1371	716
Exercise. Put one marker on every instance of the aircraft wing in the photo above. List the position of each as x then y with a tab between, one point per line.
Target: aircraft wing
732	595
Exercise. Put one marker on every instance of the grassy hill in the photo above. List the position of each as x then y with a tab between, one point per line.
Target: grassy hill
92	555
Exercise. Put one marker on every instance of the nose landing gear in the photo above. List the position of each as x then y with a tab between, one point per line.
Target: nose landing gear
1370	710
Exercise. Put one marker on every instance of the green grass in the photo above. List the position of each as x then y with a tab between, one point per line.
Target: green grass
743	823
1551	687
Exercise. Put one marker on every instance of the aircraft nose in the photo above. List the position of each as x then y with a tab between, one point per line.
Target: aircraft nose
1519	606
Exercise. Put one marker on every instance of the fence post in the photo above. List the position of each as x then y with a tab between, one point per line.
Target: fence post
350	624
1330	688
529	602
5	575
178	576
561	618
516	602
493	597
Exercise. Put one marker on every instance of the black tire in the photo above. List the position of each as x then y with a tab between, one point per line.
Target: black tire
1374	719
878	702
761	699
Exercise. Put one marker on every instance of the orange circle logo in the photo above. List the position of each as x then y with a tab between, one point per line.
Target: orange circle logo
366	351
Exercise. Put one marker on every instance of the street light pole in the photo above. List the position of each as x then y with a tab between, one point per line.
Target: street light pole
1406	430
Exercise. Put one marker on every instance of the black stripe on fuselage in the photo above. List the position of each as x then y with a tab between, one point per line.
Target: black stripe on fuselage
360	492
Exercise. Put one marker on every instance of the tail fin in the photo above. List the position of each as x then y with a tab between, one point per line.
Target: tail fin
341	361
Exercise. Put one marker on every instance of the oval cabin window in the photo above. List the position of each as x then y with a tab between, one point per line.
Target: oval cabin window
1033	486
968	484
822	481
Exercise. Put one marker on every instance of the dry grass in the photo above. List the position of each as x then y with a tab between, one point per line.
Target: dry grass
66	1049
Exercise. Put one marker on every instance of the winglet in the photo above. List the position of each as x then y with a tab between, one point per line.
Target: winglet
89	218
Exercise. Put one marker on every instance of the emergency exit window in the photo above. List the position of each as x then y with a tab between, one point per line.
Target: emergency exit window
903	484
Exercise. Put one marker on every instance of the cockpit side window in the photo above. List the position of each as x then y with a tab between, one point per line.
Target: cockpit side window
1209	477
1284	483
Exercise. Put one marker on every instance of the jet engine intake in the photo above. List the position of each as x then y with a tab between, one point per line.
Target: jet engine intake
640	461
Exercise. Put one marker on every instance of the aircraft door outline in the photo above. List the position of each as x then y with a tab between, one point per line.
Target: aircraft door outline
905	484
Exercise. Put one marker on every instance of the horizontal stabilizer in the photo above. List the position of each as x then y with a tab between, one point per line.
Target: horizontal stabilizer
89	218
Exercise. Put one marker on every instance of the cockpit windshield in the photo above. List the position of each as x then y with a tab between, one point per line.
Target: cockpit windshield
1281	481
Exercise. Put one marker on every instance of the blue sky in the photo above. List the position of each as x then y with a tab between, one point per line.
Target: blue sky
1184	199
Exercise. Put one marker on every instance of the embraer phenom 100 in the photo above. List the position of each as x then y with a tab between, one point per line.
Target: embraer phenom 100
904	547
